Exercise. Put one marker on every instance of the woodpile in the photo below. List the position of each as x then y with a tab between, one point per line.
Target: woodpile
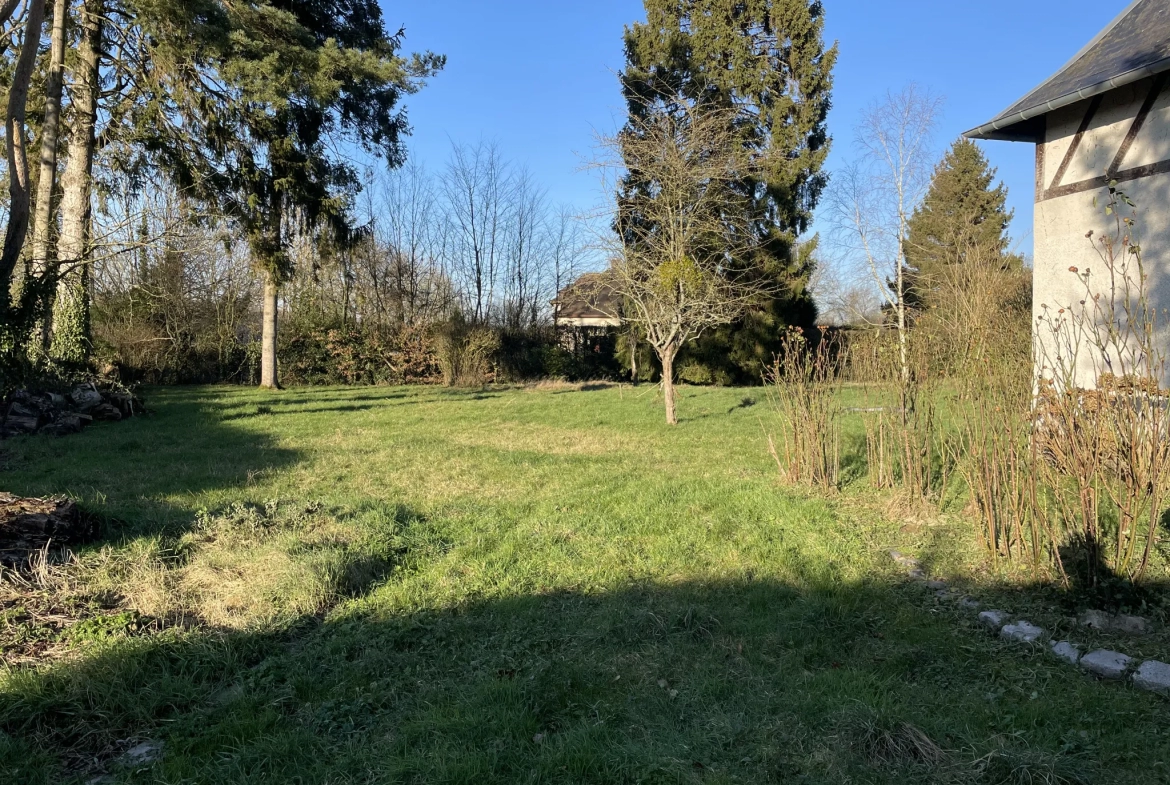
26	412
31	525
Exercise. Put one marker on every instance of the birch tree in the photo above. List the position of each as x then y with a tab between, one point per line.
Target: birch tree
874	199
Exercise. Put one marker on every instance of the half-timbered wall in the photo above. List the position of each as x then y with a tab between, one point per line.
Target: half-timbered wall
1123	135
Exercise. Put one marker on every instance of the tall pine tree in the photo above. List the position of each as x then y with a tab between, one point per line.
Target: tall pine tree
962	220
767	59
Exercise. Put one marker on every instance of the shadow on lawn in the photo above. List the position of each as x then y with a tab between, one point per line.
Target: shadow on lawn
308	407
687	682
127	473
189	445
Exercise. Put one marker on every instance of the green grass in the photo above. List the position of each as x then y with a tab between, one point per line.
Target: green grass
515	586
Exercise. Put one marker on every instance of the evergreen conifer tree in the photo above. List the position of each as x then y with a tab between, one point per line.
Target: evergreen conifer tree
766	59
963	219
274	96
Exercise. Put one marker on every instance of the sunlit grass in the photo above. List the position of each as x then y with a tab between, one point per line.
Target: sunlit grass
514	585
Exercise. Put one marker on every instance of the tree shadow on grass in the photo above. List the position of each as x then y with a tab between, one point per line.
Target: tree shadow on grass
747	403
718	681
266	410
130	473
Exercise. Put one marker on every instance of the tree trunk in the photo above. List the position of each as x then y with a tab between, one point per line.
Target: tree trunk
903	333
6	11
47	180
70	313
18	180
667	356
268	371
633	358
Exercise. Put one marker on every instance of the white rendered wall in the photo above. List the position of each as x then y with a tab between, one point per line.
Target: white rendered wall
1062	222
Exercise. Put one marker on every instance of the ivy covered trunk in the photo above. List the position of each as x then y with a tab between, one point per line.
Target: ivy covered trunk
49	136
70	316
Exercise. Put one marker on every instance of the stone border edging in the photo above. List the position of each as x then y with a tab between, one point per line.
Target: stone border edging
1151	675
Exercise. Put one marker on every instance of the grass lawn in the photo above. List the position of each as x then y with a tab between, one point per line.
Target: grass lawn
513	586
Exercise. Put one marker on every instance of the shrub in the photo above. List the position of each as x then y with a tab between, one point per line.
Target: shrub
694	373
465	352
142	338
359	355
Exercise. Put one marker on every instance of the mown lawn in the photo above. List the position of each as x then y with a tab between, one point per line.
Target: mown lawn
512	586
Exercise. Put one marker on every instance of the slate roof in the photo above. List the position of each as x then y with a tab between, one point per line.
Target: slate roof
589	297
1135	45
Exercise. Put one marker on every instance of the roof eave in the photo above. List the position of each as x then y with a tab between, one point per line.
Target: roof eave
1007	128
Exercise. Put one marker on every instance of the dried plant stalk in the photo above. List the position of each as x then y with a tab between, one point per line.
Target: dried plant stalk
805	383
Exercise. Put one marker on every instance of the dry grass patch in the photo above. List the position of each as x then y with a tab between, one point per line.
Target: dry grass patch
246	568
249	567
60	603
561	385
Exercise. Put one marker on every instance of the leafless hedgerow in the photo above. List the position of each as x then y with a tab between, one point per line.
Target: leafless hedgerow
1080	456
980	336
997	458
683	255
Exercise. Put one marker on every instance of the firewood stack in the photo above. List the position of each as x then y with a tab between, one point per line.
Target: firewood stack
26	412
31	525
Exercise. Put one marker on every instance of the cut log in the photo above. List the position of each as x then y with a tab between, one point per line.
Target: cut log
17	424
25	412
106	411
86	398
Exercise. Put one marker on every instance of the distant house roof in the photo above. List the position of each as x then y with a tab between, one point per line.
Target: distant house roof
588	301
1135	45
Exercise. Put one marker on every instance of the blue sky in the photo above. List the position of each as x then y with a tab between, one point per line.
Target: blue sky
538	76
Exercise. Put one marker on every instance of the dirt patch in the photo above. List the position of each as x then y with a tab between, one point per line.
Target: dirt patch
37	624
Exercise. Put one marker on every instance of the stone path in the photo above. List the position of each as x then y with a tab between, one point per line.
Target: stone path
1151	675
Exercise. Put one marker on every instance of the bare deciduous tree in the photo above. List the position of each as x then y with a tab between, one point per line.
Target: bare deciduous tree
872	199
525	238
842	296
679	229
566	248
503	246
401	268
474	186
